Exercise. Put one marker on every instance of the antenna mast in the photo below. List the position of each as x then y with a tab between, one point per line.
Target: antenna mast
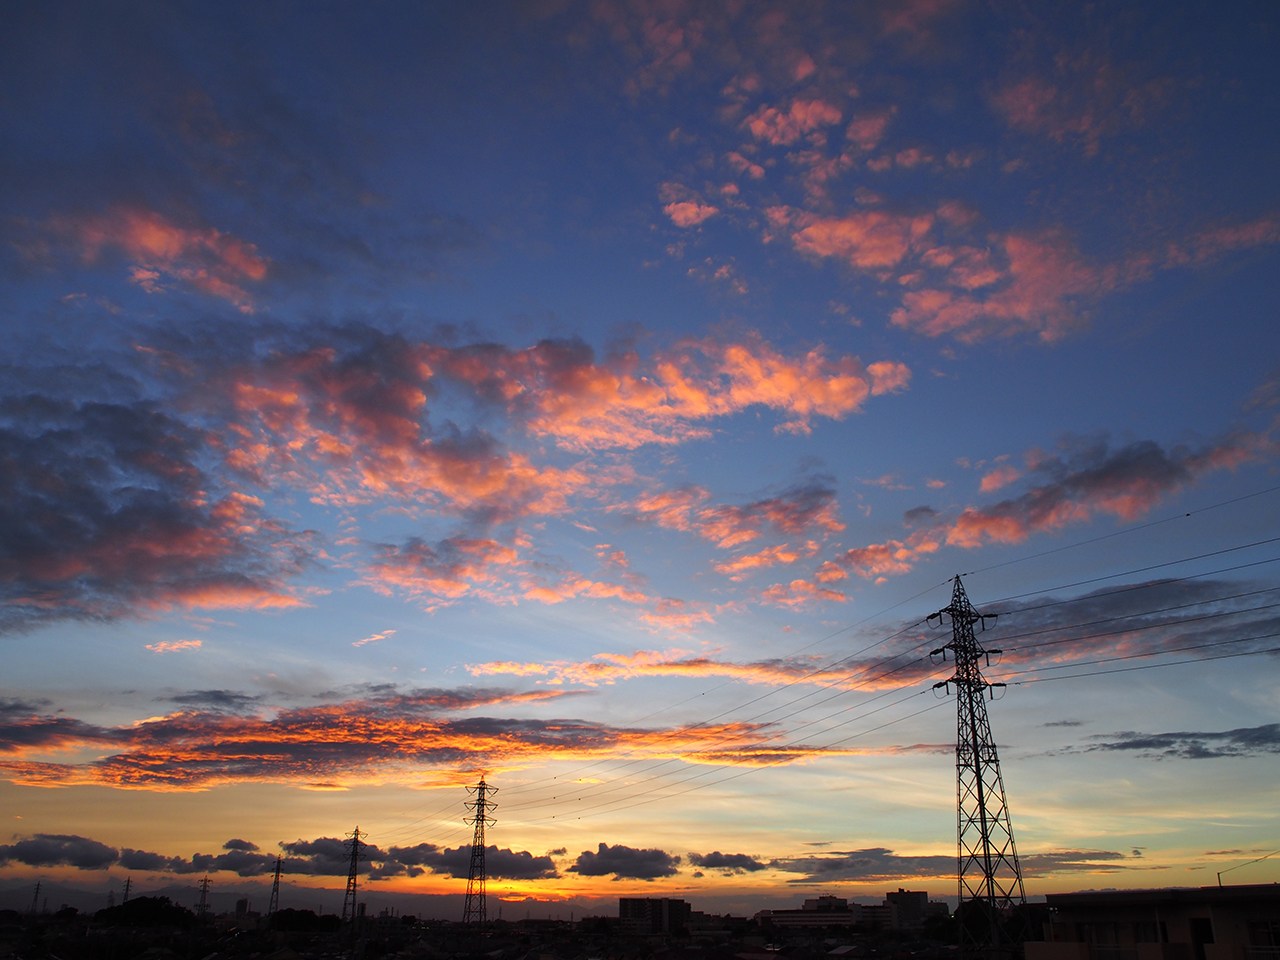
474	911
990	879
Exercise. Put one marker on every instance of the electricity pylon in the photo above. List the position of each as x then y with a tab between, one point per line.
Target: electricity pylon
989	877
274	903
349	900
474	911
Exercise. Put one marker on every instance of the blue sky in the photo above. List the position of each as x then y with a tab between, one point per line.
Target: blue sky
596	398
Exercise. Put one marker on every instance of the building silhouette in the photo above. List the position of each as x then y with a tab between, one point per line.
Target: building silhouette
1207	923
639	915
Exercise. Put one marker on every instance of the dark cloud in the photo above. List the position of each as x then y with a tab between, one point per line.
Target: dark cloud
222	700
1087	476
245	863
920	516
107	513
625	863
56	849
502	864
326	856
1189	745
1074	861
729	863
323	856
144	860
872	863
25	725
1051	636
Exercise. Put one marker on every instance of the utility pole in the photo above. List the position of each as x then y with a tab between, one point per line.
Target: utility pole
474	911
989	877
349	901
274	903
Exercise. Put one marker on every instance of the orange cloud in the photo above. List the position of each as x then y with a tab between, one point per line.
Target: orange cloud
573	586
866	239
802	508
164	252
440	574
352	428
738	567
800	593
610	668
564	393
387	739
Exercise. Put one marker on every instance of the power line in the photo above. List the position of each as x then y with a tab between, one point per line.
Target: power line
1135	528
1148	666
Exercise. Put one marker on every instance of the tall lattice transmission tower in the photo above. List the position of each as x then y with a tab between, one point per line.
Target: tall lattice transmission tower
474	911
990	879
349	900
274	903
202	909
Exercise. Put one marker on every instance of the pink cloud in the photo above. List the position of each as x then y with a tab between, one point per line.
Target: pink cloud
740	164
783	127
174	646
1000	477
688	213
373	638
867	130
1083	100
1040	287
1210	244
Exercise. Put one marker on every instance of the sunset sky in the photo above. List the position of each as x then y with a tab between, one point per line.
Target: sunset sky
597	398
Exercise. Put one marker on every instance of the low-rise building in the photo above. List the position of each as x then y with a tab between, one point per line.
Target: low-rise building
1206	923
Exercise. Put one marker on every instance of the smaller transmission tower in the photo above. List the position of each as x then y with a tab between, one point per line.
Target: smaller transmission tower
274	904
349	901
203	908
990	879
474	912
